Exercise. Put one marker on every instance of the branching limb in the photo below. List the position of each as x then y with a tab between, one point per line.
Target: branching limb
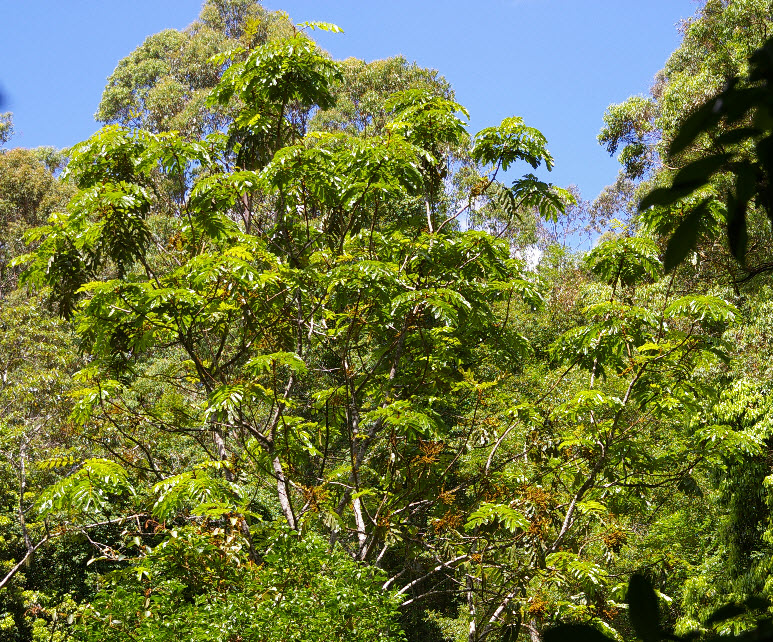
49	536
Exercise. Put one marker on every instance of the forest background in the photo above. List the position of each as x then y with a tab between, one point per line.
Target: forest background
279	361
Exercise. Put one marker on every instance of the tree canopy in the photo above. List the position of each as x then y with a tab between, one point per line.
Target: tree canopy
290	353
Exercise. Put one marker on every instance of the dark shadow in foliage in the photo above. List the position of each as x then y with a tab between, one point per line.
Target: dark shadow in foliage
644	615
418	629
575	632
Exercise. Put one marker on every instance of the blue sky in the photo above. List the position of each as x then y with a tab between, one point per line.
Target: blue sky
556	63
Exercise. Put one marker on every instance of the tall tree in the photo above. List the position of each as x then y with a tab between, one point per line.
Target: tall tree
716	48
6	127
163	84
298	320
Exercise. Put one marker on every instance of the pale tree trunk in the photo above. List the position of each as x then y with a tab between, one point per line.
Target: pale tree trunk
534	634
282	489
472	635
282	483
222	453
22	490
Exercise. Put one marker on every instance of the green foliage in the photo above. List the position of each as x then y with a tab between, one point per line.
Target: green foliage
743	108
89	490
289	321
360	98
163	85
198	585
497	148
323	26
426	120
29	193
195	490
6	127
37	358
550	201
647	624
280	72
511	519
285	73
631	125
510	142
627	260
701	309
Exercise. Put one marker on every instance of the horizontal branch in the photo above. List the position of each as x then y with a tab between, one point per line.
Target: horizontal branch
10	575
439	567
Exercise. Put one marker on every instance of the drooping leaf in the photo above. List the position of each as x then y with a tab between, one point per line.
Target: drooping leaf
92	488
324	26
698	173
701	120
628	259
665	196
701	308
643	608
488	513
737	234
196	490
268	362
511	141
685	237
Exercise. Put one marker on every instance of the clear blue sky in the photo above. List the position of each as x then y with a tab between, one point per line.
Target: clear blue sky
556	63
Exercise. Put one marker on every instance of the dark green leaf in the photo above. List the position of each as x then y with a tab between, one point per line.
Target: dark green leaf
510	634
737	235
689	486
725	613
698	172
574	633
643	608
703	119
736	103
738	135
666	196
757	603
765	152
685	237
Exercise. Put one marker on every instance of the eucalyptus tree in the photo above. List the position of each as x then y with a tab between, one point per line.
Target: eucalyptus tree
6	127
163	84
716	48
736	171
37	359
361	96
29	193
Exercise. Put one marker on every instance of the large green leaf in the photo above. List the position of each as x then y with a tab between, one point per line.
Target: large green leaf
643	609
